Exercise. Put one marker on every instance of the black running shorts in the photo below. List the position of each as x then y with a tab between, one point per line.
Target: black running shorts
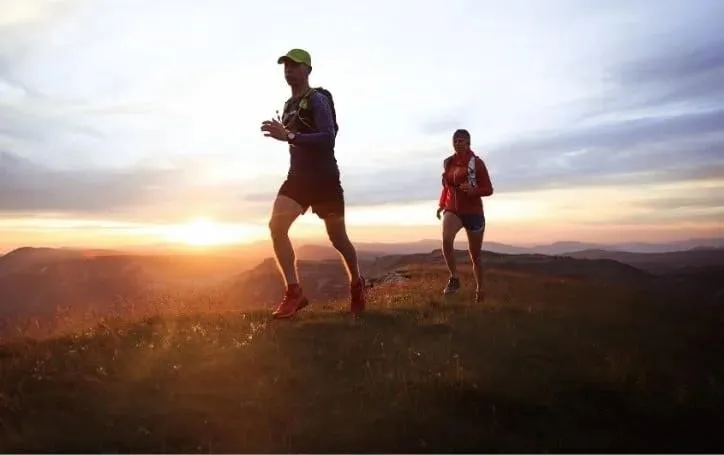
325	197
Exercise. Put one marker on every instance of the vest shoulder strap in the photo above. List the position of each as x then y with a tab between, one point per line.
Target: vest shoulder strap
472	177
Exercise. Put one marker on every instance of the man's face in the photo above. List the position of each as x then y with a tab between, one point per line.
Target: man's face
294	72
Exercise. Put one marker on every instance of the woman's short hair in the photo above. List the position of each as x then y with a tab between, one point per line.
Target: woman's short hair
462	133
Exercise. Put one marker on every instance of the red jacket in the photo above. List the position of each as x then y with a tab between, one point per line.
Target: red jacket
455	173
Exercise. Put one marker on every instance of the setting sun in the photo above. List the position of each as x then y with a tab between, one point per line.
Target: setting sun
204	232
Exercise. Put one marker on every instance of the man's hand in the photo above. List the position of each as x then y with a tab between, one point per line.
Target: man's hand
439	211
274	128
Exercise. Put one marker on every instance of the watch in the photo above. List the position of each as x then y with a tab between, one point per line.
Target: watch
290	137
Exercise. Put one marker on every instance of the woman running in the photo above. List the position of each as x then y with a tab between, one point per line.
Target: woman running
465	181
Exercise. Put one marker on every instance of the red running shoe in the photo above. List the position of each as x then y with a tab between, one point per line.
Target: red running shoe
294	300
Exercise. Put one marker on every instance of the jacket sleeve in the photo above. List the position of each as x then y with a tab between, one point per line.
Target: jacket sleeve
445	189
485	186
443	196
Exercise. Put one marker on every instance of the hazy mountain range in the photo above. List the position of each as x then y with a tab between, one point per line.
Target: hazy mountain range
312	249
555	248
49	289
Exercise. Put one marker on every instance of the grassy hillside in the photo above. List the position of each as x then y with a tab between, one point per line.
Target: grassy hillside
547	364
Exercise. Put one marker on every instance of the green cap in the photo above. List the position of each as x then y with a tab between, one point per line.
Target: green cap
298	56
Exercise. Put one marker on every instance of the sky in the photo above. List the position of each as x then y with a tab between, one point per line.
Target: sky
130	121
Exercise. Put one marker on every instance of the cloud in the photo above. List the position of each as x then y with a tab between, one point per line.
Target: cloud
662	121
690	216
652	149
109	110
709	199
441	125
621	134
678	76
28	186
659	120
154	194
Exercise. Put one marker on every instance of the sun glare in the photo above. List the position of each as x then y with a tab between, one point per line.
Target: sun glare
204	232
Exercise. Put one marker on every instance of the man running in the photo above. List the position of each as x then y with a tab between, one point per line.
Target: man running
309	125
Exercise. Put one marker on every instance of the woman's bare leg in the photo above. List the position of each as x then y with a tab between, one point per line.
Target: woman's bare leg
475	247
451	225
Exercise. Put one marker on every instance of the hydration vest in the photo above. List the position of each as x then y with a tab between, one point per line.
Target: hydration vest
472	176
302	118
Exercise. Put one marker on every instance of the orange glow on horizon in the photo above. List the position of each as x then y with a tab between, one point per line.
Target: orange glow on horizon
600	214
205	232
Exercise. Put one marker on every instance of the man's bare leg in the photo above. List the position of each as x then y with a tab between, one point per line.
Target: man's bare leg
337	232
284	213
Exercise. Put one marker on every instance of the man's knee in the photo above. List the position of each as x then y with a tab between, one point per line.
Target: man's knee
337	232
279	226
284	212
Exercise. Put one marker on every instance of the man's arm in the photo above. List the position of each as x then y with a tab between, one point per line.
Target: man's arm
322	115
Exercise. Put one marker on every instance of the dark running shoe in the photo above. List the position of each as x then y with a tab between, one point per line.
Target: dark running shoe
358	297
453	285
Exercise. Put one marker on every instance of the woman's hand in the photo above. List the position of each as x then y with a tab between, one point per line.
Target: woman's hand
464	187
439	211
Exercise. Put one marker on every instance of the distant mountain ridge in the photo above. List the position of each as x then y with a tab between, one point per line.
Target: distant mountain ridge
659	262
555	248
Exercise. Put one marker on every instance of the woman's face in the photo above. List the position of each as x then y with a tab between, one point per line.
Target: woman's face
461	143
